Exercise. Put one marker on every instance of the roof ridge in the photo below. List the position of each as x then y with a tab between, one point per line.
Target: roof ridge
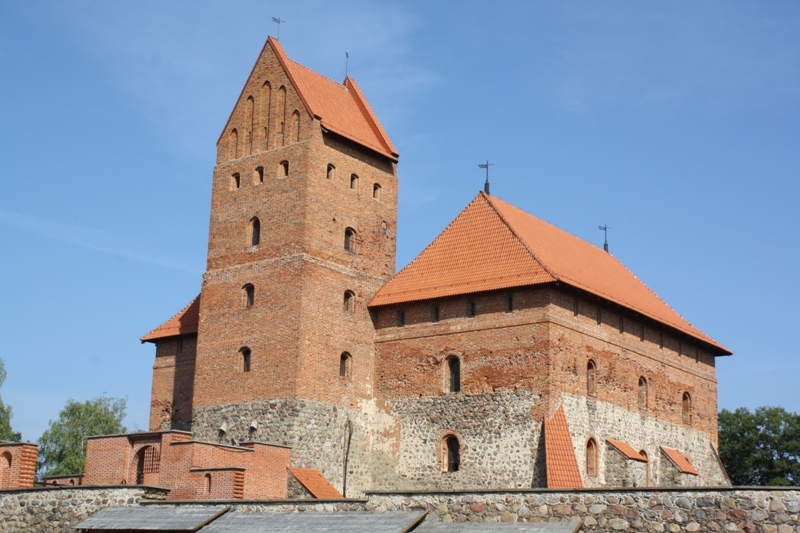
296	64
488	198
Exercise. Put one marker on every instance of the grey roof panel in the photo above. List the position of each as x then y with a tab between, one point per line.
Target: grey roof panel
498	527
151	518
315	522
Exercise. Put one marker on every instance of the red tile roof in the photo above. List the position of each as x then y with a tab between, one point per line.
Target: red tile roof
560	462
340	107
627	451
183	323
493	245
315	483
680	461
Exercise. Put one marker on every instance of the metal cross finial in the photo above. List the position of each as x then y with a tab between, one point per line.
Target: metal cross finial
278	21
604	228
486	166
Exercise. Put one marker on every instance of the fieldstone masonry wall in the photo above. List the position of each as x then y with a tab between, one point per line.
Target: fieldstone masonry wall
762	510
57	509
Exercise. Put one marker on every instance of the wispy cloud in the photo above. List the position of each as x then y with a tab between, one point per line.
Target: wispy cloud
89	238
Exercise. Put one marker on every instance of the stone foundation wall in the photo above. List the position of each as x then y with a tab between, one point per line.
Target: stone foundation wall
762	510
58	509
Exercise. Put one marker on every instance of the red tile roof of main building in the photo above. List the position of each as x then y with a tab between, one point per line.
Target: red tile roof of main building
183	323
493	245
340	107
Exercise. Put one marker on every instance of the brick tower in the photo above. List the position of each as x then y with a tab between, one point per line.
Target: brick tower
302	234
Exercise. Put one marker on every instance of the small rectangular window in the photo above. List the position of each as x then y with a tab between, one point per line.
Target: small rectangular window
435	313
509	303
599	316
471	309
401	319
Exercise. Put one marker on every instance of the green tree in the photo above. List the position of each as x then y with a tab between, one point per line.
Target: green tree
6	433
762	447
62	448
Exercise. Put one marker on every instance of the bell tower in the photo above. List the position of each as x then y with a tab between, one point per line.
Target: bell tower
302	234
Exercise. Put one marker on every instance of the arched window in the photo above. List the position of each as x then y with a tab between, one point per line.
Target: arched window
233	144
147	461
376	191
350	240
349	301
296	126
345	365
266	100
249	294
5	471
236	181
331	172
258	175
686	408
246	359
643	393
453	374
283	169
250	106
591	458
450	454
280	110
207	484
255	231
591	378
353	181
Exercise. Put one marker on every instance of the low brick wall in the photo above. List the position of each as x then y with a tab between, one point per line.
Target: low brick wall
747	510
56	509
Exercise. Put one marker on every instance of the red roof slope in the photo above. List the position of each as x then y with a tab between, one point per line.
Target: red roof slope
315	483
679	460
626	450
560	462
340	108
493	245
183	323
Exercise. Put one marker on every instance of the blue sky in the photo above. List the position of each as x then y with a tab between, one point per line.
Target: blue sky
677	124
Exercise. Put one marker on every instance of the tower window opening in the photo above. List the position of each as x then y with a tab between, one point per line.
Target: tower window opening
208	483
642	393
686	408
591	378
246	359
591	458
435	313
349	299
258	175
471	309
345	365
249	295
453	374
401	319
330	174
450	452
350	240
376	191
255	231
236	181
283	169
353	181
509	303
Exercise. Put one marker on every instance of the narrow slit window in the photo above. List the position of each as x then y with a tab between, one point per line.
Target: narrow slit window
249	295
642	393
454	374
349	298
330	174
509	303
376	191
283	169
471	309
435	313
258	175
345	364
353	181
401	319
246	359
350	240
236	181
686	408
591	378
255	231
591	458
450	450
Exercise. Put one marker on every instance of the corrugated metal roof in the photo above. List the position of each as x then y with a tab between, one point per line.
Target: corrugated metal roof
679	460
313	522
183	323
499	527
560	462
151	518
493	245
315	483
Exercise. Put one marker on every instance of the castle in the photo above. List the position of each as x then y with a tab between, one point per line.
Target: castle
508	354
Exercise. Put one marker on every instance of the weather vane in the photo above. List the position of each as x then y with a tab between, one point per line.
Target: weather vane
486	166
604	229
278	21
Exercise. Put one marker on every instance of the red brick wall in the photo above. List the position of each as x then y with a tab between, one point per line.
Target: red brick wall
173	383
17	465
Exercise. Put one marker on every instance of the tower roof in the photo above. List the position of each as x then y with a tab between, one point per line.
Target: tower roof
183	323
340	107
492	245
